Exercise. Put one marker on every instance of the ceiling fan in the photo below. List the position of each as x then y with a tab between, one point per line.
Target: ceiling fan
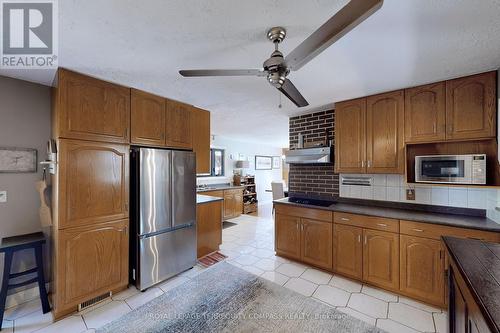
277	67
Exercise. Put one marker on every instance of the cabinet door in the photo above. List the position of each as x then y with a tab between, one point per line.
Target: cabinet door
93	182
471	107
348	251
350	130
229	205
425	113
317	243
385	132
91	109
381	259
422	269
238	202
200	120
178	125
147	119
287	236
91	261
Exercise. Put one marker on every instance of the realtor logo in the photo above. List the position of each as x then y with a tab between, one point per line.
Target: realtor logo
28	34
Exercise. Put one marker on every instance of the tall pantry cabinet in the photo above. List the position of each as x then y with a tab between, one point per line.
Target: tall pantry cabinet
91	121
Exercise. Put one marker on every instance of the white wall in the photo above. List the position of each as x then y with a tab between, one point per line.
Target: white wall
233	149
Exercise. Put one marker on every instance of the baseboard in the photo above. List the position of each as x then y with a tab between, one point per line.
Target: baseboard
23	296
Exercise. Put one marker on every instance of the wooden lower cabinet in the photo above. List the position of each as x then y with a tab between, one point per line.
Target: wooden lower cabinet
381	259
422	269
316	243
90	261
208	227
287	236
348	251
233	203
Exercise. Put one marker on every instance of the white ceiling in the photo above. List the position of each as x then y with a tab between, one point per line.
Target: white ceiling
143	44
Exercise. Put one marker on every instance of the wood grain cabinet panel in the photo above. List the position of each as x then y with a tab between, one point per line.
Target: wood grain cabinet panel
287	236
208	227
91	109
471	107
147	119
200	127
422	269
425	113
233	203
91	260
350	136
381	259
316	243
348	251
385	133
178	125
93	182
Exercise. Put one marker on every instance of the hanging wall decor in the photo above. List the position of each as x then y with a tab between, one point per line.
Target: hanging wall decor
263	162
18	160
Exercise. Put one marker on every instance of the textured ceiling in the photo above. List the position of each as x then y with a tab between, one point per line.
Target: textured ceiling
143	44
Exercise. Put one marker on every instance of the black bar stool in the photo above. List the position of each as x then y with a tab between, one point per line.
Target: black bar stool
10	245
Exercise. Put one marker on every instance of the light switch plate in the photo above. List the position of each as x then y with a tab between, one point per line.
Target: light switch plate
3	196
410	194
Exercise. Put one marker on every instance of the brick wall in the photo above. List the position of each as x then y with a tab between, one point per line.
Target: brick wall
313	179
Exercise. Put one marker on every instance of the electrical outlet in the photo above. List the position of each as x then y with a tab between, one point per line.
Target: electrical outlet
410	194
3	196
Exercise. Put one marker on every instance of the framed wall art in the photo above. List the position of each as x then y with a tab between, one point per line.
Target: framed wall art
276	162
18	160
263	162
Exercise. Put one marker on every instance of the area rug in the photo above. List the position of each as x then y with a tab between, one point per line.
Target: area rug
225	298
211	259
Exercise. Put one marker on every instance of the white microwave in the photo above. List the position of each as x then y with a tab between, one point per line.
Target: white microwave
451	169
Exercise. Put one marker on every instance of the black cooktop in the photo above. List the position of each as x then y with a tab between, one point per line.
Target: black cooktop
313	202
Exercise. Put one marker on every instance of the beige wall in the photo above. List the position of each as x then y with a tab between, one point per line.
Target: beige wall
25	123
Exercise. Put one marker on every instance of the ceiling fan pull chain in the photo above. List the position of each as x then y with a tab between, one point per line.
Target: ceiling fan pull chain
279	105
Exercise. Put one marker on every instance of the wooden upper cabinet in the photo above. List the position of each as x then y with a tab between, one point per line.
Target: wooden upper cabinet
425	113
381	259
90	109
316	243
385	133
147	119
93	182
178	125
350	131
422	269
348	251
91	260
200	127
287	235
471	107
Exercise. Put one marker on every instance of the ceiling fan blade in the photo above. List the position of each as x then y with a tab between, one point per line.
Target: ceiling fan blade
346	19
222	72
290	91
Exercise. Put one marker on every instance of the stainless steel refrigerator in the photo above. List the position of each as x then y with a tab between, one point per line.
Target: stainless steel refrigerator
163	214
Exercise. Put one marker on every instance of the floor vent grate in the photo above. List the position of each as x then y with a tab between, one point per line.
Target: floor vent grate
91	302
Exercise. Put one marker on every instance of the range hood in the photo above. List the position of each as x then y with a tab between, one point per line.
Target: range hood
319	155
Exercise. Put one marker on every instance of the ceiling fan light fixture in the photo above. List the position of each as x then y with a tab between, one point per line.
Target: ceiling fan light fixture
276	79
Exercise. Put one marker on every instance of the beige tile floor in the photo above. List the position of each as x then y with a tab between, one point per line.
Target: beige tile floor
250	246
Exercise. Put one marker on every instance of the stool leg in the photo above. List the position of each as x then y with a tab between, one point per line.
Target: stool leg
5	283
41	279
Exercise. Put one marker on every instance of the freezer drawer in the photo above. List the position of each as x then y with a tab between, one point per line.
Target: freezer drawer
165	255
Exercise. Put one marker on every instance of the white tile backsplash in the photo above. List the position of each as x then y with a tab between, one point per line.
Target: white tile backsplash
393	188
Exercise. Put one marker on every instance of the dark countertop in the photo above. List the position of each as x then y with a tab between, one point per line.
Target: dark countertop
203	199
463	221
479	265
218	188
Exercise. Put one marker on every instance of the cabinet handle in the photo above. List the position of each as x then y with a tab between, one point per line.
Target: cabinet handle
382	225
302	227
418	230
344	219
434	127
369	164
126	206
366	239
362	164
359	238
126	132
297	226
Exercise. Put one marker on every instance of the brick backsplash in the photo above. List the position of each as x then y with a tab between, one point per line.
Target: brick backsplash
313	179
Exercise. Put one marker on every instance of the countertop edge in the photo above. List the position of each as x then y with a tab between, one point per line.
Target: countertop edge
406	218
202	199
